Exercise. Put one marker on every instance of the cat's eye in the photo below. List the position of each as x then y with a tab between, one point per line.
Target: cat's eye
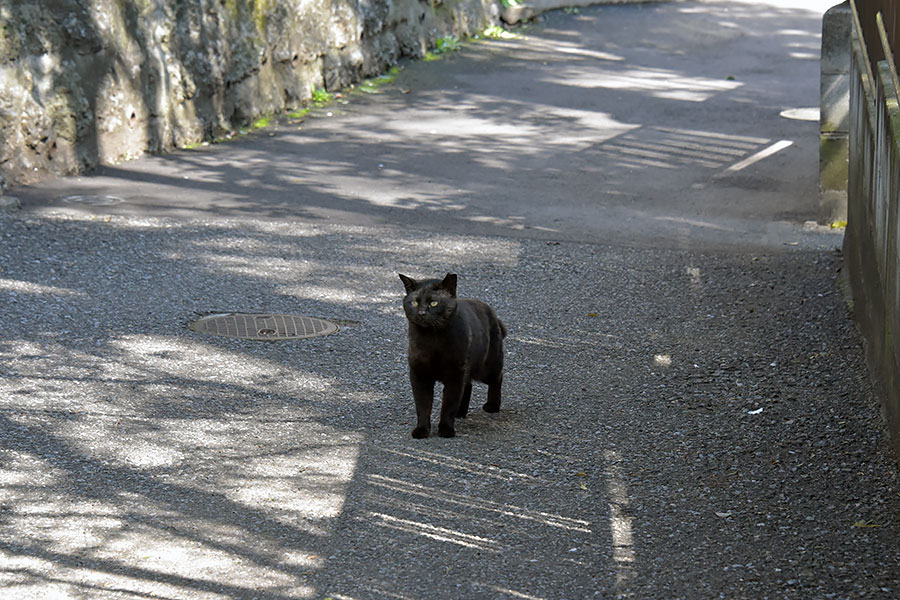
434	302
415	302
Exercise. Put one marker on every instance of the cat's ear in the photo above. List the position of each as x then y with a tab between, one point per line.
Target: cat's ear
408	282
449	284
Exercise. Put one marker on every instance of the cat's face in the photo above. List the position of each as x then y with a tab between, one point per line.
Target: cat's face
430	303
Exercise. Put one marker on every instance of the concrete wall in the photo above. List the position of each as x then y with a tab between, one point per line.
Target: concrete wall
834	105
872	239
88	81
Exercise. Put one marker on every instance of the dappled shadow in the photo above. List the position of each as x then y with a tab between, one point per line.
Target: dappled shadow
654	400
140	458
172	521
619	119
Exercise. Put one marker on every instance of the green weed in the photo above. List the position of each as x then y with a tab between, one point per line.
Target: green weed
262	122
447	44
495	32
371	86
297	114
321	97
443	45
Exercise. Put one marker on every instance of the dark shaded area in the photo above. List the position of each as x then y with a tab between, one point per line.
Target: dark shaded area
871	242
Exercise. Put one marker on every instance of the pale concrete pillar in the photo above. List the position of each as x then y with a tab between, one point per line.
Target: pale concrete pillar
834	108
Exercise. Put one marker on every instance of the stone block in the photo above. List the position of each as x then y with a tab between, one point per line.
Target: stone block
834	103
834	111
836	24
833	155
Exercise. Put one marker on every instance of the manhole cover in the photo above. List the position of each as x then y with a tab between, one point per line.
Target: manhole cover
801	114
263	327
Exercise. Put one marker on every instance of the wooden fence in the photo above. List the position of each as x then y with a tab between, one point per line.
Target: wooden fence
872	239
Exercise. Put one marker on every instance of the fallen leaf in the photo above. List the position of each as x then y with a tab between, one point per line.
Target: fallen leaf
592	314
580	474
865	525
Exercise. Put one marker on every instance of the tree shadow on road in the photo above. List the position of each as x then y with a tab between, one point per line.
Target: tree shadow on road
139	458
634	120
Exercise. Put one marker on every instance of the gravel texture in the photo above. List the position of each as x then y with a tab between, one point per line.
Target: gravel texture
686	413
675	424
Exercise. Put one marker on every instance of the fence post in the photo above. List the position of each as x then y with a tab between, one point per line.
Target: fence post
834	105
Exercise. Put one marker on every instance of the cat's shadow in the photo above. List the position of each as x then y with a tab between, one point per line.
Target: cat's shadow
480	424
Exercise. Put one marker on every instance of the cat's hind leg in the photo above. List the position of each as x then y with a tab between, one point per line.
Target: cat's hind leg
493	402
494	369
463	409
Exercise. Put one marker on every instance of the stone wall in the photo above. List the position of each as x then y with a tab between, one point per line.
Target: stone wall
90	81
872	238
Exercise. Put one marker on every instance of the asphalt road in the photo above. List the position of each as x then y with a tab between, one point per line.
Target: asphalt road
686	408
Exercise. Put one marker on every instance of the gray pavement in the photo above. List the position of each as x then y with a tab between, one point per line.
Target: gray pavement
686	413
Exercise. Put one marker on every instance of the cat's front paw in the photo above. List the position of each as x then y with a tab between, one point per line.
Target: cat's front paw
446	431
491	408
420	432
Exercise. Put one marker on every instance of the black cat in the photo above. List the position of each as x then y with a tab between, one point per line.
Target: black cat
451	340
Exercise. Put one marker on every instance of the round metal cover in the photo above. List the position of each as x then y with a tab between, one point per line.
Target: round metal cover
263	327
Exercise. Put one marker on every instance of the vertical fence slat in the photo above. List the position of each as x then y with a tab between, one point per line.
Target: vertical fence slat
872	239
867	10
